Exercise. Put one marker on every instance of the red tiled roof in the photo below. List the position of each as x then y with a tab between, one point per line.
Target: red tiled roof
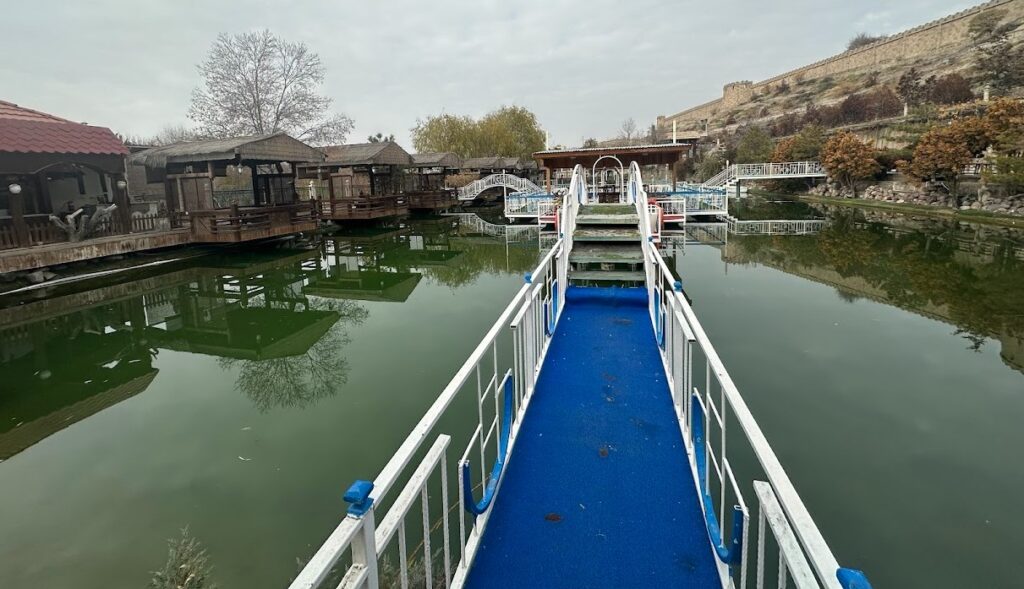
23	130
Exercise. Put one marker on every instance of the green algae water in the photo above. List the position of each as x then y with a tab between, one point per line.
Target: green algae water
240	393
238	397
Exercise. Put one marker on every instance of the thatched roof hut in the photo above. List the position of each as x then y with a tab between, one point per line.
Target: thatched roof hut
440	159
277	147
491	163
367	154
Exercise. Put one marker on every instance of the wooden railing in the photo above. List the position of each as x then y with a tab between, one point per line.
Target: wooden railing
154	222
242	224
432	199
359	208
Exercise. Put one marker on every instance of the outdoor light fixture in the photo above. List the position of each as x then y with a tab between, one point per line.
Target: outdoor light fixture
15	188
122	184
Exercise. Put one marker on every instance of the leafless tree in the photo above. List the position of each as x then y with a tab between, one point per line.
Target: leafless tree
628	130
167	135
256	84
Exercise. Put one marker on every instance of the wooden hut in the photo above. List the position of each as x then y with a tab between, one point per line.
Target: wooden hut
485	166
426	183
361	181
63	193
234	190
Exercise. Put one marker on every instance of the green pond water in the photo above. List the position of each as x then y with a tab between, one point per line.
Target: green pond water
239	394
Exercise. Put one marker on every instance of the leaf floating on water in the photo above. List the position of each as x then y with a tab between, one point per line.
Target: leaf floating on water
553	517
244	459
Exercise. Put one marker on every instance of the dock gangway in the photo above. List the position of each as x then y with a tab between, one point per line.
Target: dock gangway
607	447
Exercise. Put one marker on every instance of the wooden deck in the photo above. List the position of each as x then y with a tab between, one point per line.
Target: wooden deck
52	254
364	208
432	200
240	224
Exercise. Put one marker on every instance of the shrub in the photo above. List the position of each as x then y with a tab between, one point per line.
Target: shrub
950	89
862	40
888	158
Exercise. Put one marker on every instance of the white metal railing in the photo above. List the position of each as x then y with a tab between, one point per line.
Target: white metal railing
503	382
706	402
720	179
766	171
774	226
522	205
510	181
476	224
705	203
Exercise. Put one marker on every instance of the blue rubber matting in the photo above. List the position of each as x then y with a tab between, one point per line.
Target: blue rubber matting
598	492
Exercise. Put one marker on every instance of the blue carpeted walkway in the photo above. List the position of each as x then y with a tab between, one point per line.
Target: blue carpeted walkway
598	492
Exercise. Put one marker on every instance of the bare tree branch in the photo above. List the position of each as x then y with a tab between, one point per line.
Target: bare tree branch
257	84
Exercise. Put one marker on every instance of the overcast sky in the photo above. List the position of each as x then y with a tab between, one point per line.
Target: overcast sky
582	66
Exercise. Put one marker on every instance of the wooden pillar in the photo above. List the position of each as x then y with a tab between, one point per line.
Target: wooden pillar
16	208
45	202
547	179
171	203
123	212
255	184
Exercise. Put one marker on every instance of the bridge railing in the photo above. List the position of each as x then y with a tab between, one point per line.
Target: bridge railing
776	170
774	226
497	381
511	181
729	454
528	205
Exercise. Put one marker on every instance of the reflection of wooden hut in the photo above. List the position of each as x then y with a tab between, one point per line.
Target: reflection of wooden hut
362	181
233	190
426	184
364	269
63	369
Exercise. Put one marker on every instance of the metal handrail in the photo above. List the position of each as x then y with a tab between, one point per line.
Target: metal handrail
685	335
516	183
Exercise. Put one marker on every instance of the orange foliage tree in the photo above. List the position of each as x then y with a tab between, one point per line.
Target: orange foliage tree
940	156
847	159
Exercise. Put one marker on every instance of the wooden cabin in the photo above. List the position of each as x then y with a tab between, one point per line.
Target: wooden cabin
361	181
426	183
63	194
234	190
485	166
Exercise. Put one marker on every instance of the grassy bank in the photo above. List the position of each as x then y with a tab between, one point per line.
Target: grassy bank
971	216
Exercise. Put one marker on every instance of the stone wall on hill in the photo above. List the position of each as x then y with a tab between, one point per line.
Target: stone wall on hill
943	35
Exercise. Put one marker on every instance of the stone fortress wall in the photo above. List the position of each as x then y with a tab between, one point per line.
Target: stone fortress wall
921	41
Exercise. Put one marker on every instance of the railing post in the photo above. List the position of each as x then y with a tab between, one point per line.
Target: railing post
364	548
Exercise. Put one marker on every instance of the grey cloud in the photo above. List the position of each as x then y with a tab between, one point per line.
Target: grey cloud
583	66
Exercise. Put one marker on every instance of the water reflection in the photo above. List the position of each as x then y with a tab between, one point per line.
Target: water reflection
279	319
970	276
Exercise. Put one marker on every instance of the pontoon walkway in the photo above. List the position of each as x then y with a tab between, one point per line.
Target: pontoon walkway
598	490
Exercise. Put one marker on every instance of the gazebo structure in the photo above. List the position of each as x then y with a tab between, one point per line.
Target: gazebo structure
426	184
234	190
361	181
597	159
63	194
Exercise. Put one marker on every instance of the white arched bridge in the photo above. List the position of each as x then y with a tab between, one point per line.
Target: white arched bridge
510	181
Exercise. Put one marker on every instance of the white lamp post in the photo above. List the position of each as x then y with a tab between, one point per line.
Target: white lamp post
15	188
